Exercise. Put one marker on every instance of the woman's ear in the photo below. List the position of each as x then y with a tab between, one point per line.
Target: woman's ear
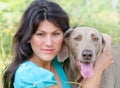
29	41
63	54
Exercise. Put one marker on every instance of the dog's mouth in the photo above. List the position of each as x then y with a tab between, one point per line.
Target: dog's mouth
86	69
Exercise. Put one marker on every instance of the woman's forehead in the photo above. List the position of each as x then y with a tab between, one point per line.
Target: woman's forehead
47	26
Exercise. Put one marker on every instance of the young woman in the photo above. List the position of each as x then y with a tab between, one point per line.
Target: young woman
36	44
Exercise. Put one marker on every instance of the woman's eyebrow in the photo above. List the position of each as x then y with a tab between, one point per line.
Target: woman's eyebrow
57	30
41	30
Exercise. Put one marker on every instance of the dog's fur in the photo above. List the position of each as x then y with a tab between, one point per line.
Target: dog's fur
86	38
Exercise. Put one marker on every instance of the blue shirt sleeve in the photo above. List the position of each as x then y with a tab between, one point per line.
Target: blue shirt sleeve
29	75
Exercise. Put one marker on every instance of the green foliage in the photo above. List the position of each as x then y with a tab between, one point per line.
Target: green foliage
101	14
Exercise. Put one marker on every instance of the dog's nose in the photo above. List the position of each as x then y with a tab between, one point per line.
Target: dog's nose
87	54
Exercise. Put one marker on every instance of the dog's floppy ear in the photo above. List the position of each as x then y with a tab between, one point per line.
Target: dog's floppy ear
107	41
67	35
63	54
103	42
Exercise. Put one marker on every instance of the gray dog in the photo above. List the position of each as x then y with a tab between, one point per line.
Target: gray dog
84	44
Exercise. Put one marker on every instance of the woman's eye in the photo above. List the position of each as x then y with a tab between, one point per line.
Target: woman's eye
40	34
56	34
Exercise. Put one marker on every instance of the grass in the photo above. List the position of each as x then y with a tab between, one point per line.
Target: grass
102	14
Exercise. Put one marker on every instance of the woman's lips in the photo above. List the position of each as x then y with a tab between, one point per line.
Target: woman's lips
48	50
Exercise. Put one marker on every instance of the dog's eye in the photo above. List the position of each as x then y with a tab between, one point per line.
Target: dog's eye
94	38
78	38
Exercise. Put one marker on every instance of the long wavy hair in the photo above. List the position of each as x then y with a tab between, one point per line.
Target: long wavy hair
37	11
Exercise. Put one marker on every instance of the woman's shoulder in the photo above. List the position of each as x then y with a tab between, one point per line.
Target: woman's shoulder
29	68
30	74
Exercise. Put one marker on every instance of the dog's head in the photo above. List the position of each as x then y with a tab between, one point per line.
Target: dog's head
85	44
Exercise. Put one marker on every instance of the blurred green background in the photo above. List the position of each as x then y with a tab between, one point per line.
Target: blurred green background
101	14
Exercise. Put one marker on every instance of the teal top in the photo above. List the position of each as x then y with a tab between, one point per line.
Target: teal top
29	75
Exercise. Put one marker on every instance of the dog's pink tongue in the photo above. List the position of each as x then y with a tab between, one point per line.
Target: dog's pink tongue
87	70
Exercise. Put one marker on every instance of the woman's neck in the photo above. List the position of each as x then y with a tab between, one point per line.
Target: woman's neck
41	63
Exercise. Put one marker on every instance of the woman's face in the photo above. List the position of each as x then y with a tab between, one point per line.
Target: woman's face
47	41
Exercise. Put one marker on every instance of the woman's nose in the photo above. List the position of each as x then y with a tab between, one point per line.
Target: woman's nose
48	41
